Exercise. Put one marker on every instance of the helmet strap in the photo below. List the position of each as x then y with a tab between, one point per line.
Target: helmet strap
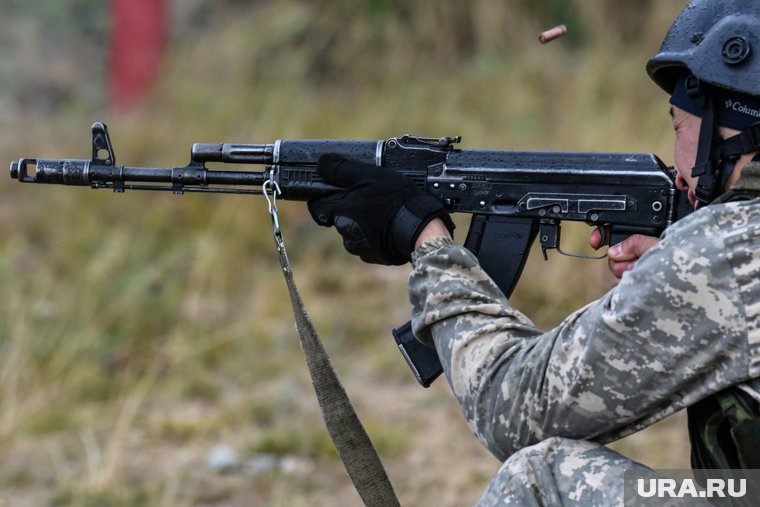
716	157
746	141
707	167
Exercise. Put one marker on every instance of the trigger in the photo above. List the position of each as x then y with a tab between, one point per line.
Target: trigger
605	240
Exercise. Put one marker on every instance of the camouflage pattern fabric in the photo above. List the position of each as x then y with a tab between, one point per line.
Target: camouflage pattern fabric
565	472
680	326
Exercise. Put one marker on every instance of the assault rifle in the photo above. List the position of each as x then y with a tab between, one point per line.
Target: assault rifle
513	196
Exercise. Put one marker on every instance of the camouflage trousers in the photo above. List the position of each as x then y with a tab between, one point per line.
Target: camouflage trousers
569	473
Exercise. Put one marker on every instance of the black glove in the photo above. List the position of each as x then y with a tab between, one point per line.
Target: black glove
379	214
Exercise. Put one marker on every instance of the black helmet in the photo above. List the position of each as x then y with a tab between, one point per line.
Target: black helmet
713	49
718	41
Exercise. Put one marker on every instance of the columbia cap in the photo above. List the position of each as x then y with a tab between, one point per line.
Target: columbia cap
733	109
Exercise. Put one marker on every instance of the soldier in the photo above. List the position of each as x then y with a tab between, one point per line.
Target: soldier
681	329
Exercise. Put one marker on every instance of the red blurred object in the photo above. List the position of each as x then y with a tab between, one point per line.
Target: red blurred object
138	41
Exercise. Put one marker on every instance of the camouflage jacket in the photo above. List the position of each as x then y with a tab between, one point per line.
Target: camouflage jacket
681	325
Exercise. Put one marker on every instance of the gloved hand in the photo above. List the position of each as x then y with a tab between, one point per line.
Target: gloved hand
379	214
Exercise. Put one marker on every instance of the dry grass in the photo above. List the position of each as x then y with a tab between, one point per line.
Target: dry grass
138	331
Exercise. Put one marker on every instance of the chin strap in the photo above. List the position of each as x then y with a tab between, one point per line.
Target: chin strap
716	157
707	167
747	141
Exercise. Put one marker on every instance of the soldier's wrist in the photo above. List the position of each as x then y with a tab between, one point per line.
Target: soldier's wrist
434	229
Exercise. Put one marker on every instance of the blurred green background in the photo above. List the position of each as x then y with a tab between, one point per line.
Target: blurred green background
139	332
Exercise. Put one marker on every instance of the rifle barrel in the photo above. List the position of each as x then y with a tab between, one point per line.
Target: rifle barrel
85	173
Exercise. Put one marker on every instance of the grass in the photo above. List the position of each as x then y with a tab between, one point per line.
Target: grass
139	330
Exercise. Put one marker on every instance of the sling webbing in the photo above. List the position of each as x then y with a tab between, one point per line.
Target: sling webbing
354	446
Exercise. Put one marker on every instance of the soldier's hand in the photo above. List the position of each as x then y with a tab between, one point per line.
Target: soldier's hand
623	256
380	213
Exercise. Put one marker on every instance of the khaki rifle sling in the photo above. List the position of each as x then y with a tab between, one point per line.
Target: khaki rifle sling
354	446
